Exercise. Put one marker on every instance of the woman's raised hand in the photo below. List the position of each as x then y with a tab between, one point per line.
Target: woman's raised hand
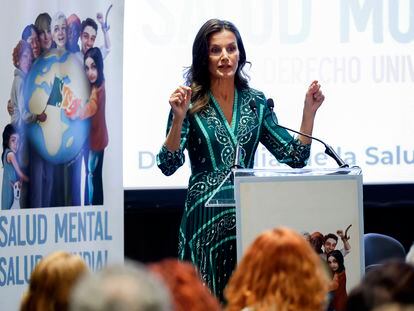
180	101
313	99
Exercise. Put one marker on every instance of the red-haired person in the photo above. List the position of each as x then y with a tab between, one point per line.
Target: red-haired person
279	271
185	285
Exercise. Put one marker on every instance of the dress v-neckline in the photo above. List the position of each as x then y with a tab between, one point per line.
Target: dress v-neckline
232	125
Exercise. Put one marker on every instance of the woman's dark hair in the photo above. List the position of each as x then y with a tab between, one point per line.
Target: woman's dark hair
96	55
339	259
198	76
8	131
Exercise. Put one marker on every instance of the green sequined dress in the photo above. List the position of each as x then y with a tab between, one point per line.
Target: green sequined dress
207	236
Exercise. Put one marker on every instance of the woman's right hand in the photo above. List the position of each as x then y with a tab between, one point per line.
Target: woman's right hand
180	101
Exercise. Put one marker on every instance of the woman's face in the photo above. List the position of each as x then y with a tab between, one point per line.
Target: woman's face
45	39
59	33
223	55
91	70
333	263
14	142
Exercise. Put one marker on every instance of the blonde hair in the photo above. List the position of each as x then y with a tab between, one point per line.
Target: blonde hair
279	271
51	282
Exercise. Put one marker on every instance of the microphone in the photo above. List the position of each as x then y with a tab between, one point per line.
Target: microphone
328	149
253	107
238	155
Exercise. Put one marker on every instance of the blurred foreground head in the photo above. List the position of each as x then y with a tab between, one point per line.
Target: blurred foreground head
388	283
186	287
128	287
52	281
279	271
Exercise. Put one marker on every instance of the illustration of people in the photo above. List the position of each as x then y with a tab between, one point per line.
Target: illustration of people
13	176
339	296
331	241
59	35
89	31
98	137
29	35
22	60
20	116
62	34
73	32
42	25
316	241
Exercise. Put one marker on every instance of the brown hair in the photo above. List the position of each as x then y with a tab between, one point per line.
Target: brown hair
51	282
198	75
279	271
186	288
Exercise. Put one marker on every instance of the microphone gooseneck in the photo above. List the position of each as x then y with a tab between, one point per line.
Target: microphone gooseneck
328	149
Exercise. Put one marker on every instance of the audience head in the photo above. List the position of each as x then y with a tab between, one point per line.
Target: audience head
186	287
279	271
410	255
395	307
391	282
52	281
129	287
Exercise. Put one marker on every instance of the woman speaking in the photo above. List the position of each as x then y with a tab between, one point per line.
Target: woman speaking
209	117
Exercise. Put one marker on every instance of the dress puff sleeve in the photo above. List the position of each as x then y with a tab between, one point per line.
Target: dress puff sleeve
169	161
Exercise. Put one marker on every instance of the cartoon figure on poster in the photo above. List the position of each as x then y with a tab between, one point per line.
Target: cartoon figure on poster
56	102
13	176
339	296
334	260
95	111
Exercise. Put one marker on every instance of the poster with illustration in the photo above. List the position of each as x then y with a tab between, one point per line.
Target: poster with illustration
325	206
61	94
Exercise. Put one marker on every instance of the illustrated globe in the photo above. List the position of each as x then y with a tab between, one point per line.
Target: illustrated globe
56	79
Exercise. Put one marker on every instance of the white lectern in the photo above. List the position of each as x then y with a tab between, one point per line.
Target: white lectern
308	200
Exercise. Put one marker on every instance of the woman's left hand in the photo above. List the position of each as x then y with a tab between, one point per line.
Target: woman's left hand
313	99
